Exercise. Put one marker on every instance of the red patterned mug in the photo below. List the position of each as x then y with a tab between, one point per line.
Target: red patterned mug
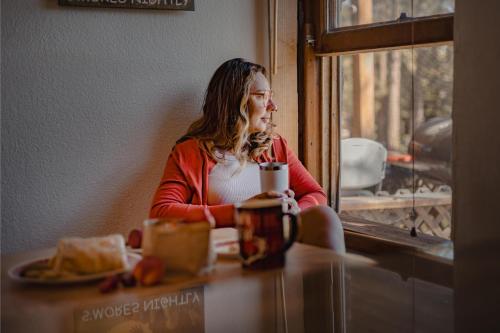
261	231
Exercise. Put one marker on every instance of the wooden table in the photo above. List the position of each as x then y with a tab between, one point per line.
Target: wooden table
317	291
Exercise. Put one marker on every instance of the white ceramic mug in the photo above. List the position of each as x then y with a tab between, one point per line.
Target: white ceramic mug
273	176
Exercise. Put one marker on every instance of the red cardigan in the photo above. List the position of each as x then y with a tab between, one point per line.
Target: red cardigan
183	189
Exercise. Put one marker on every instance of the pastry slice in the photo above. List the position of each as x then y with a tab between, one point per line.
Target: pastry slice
80	256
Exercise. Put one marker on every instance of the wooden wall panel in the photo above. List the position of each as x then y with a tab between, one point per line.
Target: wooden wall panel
284	81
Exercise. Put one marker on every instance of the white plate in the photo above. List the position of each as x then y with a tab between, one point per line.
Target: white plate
226	243
15	273
138	251
230	249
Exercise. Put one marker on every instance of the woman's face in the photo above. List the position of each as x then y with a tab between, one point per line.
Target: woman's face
260	104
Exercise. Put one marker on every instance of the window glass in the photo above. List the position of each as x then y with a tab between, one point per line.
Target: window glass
356	12
396	137
432	7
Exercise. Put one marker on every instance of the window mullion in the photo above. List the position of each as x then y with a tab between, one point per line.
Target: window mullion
429	30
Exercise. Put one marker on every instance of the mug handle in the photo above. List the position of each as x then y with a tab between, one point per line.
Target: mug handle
293	231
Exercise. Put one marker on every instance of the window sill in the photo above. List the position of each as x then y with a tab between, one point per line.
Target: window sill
424	257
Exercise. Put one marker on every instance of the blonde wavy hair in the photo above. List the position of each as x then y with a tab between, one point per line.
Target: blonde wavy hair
225	121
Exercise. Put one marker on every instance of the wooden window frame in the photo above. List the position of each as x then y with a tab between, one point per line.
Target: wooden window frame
420	31
319	106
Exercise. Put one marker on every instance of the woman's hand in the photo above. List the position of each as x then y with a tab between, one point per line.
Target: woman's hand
288	195
292	203
273	195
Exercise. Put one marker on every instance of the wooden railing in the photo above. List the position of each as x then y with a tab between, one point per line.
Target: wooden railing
432	208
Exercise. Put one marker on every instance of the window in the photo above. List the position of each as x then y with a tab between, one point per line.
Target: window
384	69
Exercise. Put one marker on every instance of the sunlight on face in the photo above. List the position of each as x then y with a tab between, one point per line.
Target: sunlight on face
260	104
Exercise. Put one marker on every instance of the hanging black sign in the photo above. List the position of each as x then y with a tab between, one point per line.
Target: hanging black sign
135	4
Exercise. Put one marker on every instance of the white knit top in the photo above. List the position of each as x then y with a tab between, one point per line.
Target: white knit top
228	184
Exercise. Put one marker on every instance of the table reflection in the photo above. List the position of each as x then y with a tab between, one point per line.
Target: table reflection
181	311
317	291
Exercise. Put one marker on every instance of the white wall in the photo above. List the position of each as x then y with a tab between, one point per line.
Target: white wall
92	102
476	165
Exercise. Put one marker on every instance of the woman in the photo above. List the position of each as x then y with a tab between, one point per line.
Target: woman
215	165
